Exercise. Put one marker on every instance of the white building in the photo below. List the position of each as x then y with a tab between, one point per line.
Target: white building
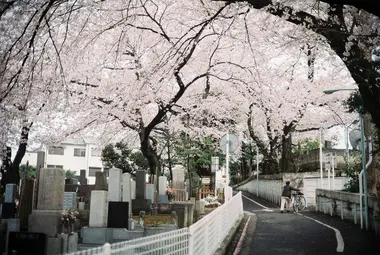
71	154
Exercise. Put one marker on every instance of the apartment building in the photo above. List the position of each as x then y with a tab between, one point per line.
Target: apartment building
72	154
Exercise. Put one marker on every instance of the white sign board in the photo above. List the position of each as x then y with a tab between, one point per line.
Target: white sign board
206	180
214	164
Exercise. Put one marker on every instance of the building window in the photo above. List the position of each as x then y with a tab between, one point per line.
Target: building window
56	150
96	152
79	152
54	166
93	170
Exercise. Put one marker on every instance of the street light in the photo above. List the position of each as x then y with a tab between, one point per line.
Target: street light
361	116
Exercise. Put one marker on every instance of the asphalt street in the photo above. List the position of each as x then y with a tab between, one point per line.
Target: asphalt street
270	232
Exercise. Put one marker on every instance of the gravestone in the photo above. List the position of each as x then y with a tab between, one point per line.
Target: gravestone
27	243
178	183
114	184
100	181
47	218
26	201
69	200
133	189
118	215
127	192
149	192
10	193
82	178
98	208
9	205
40	164
178	177
140	203
162	186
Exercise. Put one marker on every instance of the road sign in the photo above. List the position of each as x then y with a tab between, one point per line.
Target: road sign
214	164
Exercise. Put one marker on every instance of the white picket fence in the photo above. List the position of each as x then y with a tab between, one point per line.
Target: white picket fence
203	237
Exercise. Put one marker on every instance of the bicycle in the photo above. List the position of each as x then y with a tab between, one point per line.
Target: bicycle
299	202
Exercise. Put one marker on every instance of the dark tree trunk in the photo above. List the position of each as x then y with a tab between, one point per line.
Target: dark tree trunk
287	161
10	170
150	153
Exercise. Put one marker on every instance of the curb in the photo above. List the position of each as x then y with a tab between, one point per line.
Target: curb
245	248
230	236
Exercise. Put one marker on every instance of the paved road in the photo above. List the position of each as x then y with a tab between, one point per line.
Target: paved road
270	232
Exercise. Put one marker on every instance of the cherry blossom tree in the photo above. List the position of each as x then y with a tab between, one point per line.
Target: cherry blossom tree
351	28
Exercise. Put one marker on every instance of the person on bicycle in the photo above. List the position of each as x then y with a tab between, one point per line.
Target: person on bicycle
286	196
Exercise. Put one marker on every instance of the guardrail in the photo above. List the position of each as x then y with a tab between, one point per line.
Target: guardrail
203	237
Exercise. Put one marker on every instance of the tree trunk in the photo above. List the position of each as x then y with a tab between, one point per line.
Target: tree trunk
11	170
149	152
287	161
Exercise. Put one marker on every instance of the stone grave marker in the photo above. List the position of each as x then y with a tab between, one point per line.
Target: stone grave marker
82	178
178	183
69	200
114	185
149	192
98	208
127	190
162	186
26	201
140	203
133	189
100	181
9	205
47	218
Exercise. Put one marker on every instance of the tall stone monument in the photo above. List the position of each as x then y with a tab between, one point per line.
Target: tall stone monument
162	185
100	181
127	190
140	203
114	184
46	218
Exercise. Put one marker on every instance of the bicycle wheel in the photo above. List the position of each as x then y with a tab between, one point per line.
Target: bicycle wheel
301	203
296	204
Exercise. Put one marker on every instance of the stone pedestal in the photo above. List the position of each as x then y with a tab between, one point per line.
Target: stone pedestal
140	205
48	222
98	208
69	243
185	212
162	199
114	185
46	219
54	245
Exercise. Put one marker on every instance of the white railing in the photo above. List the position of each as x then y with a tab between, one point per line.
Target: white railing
203	237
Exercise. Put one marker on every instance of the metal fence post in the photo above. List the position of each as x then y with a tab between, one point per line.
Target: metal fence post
191	242
106	249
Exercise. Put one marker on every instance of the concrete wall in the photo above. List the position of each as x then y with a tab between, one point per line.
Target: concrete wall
308	182
347	206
